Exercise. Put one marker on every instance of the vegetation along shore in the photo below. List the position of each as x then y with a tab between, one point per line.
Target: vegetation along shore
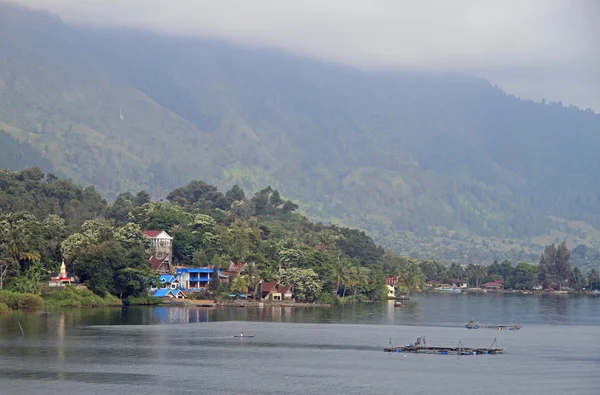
46	222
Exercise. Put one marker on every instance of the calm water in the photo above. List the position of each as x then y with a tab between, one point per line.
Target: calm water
188	350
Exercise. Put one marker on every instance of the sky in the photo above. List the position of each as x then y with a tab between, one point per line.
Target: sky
532	48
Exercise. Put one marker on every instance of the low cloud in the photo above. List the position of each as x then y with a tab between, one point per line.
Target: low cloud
533	48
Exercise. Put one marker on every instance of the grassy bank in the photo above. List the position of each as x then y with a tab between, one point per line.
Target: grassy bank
17	300
70	296
4	308
142	301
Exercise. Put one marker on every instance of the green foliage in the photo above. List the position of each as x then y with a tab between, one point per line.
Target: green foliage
4	308
305	282
70	296
431	166
17	300
239	285
554	266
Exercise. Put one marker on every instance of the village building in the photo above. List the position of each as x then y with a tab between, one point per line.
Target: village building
274	291
496	285
433	284
62	278
162	250
167	293
197	278
390	283
456	283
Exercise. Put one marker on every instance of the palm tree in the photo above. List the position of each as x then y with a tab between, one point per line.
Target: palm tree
341	275
239	285
412	278
593	278
251	273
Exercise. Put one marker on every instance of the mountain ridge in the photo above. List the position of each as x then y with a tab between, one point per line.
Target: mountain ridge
427	163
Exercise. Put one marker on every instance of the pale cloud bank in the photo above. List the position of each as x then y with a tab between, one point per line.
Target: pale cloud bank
533	48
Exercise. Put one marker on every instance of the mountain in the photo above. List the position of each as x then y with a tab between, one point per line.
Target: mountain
431	165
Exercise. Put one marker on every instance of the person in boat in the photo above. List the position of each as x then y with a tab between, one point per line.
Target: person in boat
242	334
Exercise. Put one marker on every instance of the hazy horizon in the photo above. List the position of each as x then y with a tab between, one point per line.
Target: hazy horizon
535	49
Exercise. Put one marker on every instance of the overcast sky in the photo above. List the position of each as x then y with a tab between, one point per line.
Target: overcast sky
532	48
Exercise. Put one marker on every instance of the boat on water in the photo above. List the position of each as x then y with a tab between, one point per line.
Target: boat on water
420	347
397	304
453	290
473	325
243	336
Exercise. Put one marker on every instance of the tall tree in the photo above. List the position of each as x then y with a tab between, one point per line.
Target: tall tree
593	278
547	266
563	266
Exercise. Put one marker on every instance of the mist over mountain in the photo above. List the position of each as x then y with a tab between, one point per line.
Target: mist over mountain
431	165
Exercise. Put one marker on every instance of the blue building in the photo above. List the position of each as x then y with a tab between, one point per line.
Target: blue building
196	278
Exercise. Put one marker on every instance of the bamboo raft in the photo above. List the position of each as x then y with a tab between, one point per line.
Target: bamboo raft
472	325
420	347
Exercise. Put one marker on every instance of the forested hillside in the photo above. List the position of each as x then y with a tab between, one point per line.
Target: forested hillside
435	166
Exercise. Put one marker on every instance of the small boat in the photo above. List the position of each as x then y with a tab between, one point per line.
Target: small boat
452	290
397	304
420	347
243	336
472	325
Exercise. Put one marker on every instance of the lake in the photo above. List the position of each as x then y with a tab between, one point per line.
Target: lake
313	350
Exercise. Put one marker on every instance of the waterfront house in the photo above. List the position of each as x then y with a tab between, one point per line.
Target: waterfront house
456	283
390	283
197	278
433	284
274	290
496	285
170	294
162	250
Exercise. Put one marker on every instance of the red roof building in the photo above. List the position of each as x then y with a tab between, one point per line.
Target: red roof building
275	290
494	285
392	280
162	250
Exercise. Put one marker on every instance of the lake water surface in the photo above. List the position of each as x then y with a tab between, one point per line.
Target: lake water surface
337	350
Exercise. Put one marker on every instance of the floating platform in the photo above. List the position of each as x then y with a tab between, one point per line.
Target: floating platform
473	325
421	348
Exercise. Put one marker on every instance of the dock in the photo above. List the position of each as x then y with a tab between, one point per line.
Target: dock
420	347
472	325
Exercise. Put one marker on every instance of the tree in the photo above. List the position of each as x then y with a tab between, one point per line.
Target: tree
119	210
304	281
251	273
130	236
159	215
215	281
562	266
525	276
290	206
412	278
142	198
235	194
199	195
134	281
275	199
577	281
547	266
260	200
239	285
593	278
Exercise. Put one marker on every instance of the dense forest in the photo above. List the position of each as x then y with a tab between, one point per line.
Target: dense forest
44	219
432	166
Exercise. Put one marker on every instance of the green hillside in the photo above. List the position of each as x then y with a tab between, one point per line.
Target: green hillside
440	166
